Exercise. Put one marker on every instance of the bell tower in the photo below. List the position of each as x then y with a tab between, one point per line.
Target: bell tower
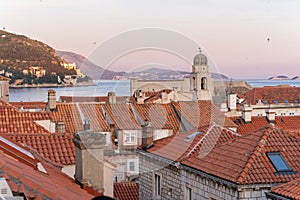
201	81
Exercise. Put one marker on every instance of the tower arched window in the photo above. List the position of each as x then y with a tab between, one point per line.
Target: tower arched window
194	83
204	83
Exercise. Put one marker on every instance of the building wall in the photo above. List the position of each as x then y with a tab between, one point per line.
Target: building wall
174	182
4	91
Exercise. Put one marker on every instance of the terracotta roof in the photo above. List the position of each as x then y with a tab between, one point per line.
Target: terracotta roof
69	114
153	96
73	115
244	161
287	123
270	93
179	147
201	113
289	190
102	99
13	121
94	113
56	147
30	105
122	116
126	191
161	116
32	176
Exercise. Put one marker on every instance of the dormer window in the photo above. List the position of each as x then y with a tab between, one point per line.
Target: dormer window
279	163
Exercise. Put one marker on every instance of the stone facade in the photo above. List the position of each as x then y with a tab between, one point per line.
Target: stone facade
176	178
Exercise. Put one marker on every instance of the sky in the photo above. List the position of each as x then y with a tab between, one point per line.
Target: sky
242	39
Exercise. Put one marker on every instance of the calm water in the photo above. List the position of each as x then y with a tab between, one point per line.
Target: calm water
121	88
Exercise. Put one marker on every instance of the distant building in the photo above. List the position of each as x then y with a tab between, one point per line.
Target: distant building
4	89
200	86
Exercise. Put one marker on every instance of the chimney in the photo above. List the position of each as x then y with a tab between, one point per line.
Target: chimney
247	113
51	105
86	124
147	135
60	127
89	158
232	102
270	115
111	98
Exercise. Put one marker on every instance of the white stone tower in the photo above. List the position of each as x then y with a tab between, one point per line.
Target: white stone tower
201	83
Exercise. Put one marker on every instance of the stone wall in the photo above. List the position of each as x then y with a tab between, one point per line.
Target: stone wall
174	183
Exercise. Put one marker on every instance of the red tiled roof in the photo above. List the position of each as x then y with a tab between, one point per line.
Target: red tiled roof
289	190
35	177
14	122
270	93
126	191
122	116
177	147
153	96
287	123
56	147
29	105
202	113
73	115
244	161
161	116
69	114
102	99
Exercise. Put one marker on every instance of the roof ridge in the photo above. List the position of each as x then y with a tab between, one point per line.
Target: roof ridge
256	151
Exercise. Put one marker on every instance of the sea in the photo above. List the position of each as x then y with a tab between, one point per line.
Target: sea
102	87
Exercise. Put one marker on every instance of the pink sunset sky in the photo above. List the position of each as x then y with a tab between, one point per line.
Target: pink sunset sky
243	39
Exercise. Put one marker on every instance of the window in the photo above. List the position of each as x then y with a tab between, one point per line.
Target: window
278	162
157	185
188	193
130	138
3	191
131	166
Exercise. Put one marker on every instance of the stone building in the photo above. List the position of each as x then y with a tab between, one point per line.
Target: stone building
4	89
200	85
218	164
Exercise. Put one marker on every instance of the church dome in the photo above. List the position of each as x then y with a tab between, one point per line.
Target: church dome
200	59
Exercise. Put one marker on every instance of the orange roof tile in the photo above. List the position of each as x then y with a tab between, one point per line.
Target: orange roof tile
29	105
270	93
287	123
28	174
57	147
15	122
161	116
154	95
73	115
122	116
102	99
201	113
126	191
244	161
178	147
290	190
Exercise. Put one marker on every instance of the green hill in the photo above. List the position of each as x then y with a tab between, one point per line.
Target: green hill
18	53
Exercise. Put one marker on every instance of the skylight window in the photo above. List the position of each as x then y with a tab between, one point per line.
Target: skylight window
264	101
275	101
285	101
278	162
191	136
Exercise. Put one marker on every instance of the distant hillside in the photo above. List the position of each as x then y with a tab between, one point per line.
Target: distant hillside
169	72
19	52
87	67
